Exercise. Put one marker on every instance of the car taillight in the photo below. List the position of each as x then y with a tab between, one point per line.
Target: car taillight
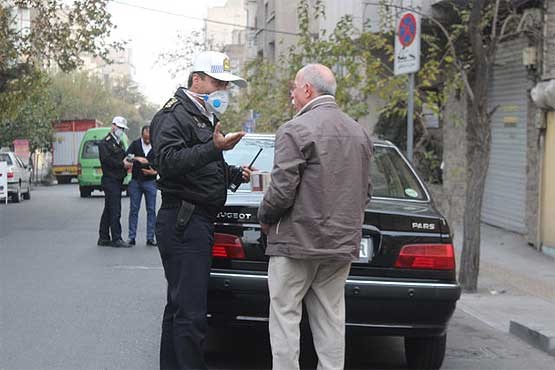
227	246
10	175
79	169
427	256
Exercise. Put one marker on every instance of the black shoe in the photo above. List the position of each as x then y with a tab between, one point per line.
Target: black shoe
120	244
131	242
104	242
152	243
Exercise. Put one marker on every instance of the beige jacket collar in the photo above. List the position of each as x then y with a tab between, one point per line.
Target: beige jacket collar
316	102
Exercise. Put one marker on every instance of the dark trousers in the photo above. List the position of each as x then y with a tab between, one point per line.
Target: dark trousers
186	258
109	222
136	190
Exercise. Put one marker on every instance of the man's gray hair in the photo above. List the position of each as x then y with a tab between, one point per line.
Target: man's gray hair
320	78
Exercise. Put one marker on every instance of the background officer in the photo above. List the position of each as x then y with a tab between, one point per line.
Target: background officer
143	181
114	170
194	178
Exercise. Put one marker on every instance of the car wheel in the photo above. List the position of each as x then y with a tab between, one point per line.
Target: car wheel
27	195
17	196
63	179
425	352
85	192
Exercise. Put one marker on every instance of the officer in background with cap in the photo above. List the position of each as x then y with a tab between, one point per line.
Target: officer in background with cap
194	178
114	170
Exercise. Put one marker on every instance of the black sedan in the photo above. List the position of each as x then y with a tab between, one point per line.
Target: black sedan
404	283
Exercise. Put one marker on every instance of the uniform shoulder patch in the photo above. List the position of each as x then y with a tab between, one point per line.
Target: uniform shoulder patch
170	103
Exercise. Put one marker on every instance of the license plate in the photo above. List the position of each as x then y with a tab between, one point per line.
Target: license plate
366	251
99	171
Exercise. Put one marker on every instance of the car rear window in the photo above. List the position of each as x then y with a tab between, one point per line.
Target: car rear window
391	175
90	150
5	158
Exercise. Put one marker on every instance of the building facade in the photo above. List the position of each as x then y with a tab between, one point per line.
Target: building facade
121	67
222	24
226	30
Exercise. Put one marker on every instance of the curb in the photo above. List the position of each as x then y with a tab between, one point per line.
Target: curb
534	335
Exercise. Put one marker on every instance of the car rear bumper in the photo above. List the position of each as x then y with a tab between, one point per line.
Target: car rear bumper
373	306
70	170
12	187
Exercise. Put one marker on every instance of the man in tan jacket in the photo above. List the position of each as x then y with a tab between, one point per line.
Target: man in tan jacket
312	214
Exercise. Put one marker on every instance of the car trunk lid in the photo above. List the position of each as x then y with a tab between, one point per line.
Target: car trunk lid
389	225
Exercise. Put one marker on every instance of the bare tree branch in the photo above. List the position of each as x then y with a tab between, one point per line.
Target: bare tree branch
458	63
494	23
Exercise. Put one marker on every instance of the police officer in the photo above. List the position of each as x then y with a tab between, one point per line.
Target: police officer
114	170
194	178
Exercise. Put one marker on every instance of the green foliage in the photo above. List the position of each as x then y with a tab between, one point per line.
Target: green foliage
268	95
59	35
428	151
32	119
62	33
74	96
363	65
78	95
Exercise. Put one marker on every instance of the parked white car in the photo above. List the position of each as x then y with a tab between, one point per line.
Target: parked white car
19	177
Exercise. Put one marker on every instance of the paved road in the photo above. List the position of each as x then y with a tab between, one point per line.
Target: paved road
68	304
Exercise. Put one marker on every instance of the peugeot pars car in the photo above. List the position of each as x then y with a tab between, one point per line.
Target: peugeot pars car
403	284
19	176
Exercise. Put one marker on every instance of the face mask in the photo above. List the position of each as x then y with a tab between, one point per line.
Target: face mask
118	132
216	102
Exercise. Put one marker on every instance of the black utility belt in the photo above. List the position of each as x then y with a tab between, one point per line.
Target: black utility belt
187	209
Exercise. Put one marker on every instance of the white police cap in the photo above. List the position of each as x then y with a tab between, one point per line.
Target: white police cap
120	122
216	65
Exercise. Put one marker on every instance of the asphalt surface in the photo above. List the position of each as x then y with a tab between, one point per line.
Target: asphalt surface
68	304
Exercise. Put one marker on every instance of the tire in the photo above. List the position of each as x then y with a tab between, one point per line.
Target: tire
425	352
27	195
85	192
63	179
16	198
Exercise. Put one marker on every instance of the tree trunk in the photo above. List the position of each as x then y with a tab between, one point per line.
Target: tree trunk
478	152
478	136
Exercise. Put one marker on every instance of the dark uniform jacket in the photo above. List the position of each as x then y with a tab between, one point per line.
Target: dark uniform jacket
190	166
111	157
136	148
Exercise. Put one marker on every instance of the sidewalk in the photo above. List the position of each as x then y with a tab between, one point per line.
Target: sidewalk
516	288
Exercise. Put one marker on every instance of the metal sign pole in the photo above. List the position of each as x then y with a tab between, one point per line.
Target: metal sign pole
410	123
407	61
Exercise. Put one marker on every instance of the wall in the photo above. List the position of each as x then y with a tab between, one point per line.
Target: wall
549	46
548	185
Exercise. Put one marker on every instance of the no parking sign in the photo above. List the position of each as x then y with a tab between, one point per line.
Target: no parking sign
407	44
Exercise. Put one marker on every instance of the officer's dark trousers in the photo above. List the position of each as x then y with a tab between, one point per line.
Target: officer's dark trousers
186	259
109	222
